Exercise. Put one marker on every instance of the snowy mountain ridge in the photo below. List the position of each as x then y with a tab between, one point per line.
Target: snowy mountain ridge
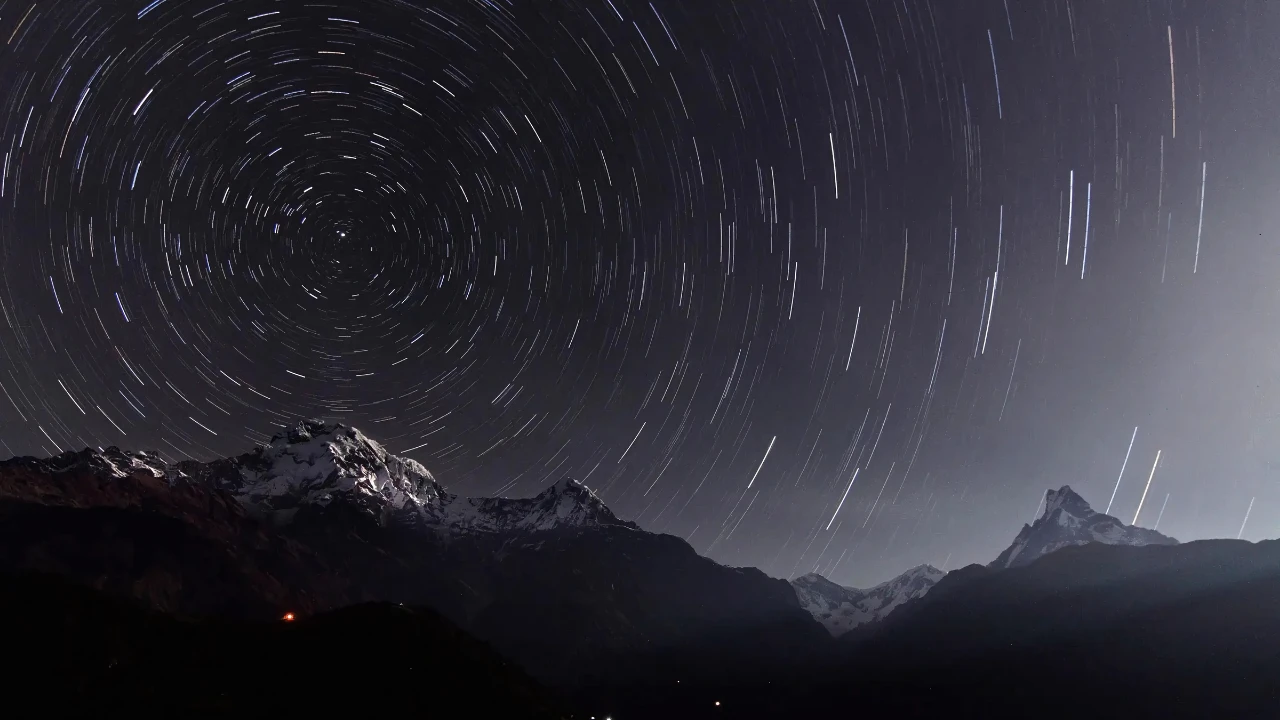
315	463
840	609
1068	520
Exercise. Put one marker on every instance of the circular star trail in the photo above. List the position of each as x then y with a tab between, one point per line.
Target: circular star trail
814	285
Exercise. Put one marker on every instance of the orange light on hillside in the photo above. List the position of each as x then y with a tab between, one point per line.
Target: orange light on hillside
289	617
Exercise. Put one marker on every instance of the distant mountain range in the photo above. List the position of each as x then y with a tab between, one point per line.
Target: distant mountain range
841	609
323	517
1067	520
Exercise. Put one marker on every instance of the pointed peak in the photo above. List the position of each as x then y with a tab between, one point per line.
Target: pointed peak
817	583
1068	500
1069	520
569	491
1065	492
812	578
311	429
921	574
565	503
567	485
926	570
314	461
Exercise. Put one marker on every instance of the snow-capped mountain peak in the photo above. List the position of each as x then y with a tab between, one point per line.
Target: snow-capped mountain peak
567	485
1069	520
814	580
314	462
566	504
316	465
1067	501
841	609
111	461
570	500
920	574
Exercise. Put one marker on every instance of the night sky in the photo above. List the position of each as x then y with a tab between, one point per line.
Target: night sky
816	285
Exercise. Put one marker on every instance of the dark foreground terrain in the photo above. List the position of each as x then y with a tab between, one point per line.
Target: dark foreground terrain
72	651
1188	630
1158	632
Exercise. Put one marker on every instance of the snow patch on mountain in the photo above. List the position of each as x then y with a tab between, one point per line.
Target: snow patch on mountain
1068	520
840	609
313	463
566	503
112	462
316	464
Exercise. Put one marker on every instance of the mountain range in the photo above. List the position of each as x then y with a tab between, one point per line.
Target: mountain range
1067	521
841	609
323	517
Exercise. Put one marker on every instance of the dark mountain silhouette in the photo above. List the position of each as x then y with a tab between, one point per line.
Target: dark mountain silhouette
1159	631
85	652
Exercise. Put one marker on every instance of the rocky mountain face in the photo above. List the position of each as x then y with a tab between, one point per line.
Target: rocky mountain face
1068	520
323	517
841	609
314	464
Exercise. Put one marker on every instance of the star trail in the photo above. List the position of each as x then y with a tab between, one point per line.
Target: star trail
791	280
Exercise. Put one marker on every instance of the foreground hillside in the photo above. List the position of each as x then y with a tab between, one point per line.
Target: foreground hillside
1091	631
80	651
